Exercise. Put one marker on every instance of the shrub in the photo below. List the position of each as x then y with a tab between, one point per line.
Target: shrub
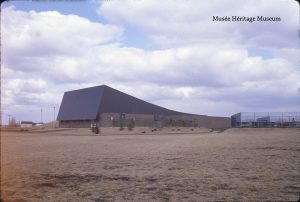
131	125
121	126
96	130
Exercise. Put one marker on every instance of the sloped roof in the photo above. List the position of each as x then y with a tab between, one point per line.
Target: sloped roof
88	103
81	104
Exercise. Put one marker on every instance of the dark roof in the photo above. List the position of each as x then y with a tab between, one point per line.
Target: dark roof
26	122
88	103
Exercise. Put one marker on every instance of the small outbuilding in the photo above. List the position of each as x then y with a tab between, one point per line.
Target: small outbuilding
26	124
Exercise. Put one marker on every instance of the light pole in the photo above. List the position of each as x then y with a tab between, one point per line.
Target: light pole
9	119
41	115
53	116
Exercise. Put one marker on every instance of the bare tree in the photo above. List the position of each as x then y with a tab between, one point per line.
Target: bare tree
12	122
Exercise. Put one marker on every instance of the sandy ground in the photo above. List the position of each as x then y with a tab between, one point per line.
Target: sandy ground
145	165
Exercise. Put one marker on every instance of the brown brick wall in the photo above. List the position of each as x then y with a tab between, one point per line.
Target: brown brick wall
113	120
174	120
75	124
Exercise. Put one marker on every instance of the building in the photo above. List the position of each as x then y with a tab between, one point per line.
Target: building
26	124
108	107
266	119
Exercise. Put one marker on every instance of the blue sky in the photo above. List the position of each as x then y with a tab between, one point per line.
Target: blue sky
81	8
169	53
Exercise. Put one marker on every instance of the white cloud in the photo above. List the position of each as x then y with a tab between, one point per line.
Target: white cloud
216	77
39	48
34	35
171	23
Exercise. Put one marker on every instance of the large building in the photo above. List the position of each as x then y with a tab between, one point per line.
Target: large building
109	107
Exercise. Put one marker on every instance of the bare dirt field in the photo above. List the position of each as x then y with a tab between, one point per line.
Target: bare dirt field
145	165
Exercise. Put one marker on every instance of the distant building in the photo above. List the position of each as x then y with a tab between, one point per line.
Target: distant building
265	119
26	124
109	107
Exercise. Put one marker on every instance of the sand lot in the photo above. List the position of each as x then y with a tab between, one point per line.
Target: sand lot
167	165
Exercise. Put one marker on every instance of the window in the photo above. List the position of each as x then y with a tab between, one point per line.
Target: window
122	116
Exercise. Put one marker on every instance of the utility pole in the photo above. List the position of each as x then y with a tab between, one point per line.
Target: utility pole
53	116
41	115
9	119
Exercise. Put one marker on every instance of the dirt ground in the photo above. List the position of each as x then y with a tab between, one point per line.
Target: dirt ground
181	164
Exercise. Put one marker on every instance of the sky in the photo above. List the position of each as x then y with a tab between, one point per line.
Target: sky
170	53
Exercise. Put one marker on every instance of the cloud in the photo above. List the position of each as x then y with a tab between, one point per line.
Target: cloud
39	48
171	23
206	72
34	35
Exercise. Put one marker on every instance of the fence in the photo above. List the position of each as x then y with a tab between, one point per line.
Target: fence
266	119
